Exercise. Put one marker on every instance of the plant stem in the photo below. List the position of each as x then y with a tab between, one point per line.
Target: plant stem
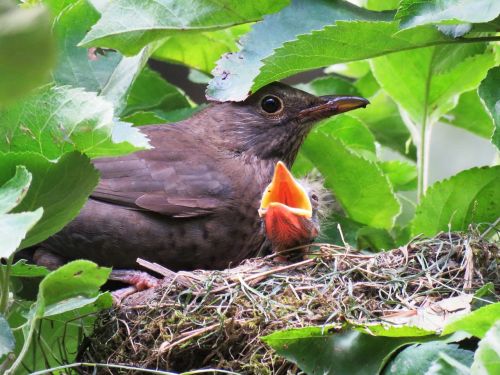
26	345
4	286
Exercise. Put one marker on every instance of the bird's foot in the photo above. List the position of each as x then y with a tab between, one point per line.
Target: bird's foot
138	281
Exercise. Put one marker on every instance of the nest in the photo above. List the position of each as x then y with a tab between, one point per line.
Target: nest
214	319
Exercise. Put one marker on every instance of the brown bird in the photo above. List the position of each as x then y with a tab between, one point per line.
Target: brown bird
290	210
192	201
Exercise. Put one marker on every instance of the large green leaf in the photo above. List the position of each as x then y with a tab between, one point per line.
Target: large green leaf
358	184
418	359
468	197
54	120
320	351
329	85
487	356
7	342
77	66
383	119
333	32
14	226
61	188
403	175
420	12
27	49
489	91
151	92
200	50
128	25
426	83
477	322
470	114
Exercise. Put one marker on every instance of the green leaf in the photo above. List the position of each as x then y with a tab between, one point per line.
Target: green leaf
7	341
414	13
27	50
319	351
128	26
489	91
383	119
447	365
333	32
476	323
358	184
14	226
14	190
23	269
352	132
487	356
329	85
468	197
200	50
150	91
77	66
61	188
61	290
419	359
403	175
470	114
374	239
367	85
389	330
55	120
419	82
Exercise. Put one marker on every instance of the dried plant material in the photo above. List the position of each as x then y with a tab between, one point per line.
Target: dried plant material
216	318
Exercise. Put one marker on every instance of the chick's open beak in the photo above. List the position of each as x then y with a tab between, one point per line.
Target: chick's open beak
286	192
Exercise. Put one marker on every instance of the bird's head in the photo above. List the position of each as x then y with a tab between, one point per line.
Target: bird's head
289	211
273	122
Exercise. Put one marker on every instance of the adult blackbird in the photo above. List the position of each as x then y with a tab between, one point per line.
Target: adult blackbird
192	201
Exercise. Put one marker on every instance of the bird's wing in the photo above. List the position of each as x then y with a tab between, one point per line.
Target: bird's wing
178	178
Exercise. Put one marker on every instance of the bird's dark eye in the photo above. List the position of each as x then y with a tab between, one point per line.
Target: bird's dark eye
271	104
314	197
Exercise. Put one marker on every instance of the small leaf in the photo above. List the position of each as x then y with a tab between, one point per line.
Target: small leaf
66	185
374	239
200	50
470	114
7	341
487	356
329	85
384	121
128	26
489	91
55	120
403	175
414	13
468	197
23	269
358	184
150	92
419	359
477	322
61	290
24	33
14	226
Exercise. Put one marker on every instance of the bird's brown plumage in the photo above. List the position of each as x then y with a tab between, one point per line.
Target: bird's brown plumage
192	200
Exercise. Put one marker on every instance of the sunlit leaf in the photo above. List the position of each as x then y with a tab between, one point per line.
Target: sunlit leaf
487	356
403	175
55	120
23	269
61	188
358	184
419	84
200	50
414	13
128	25
468	197
477	322
14	226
